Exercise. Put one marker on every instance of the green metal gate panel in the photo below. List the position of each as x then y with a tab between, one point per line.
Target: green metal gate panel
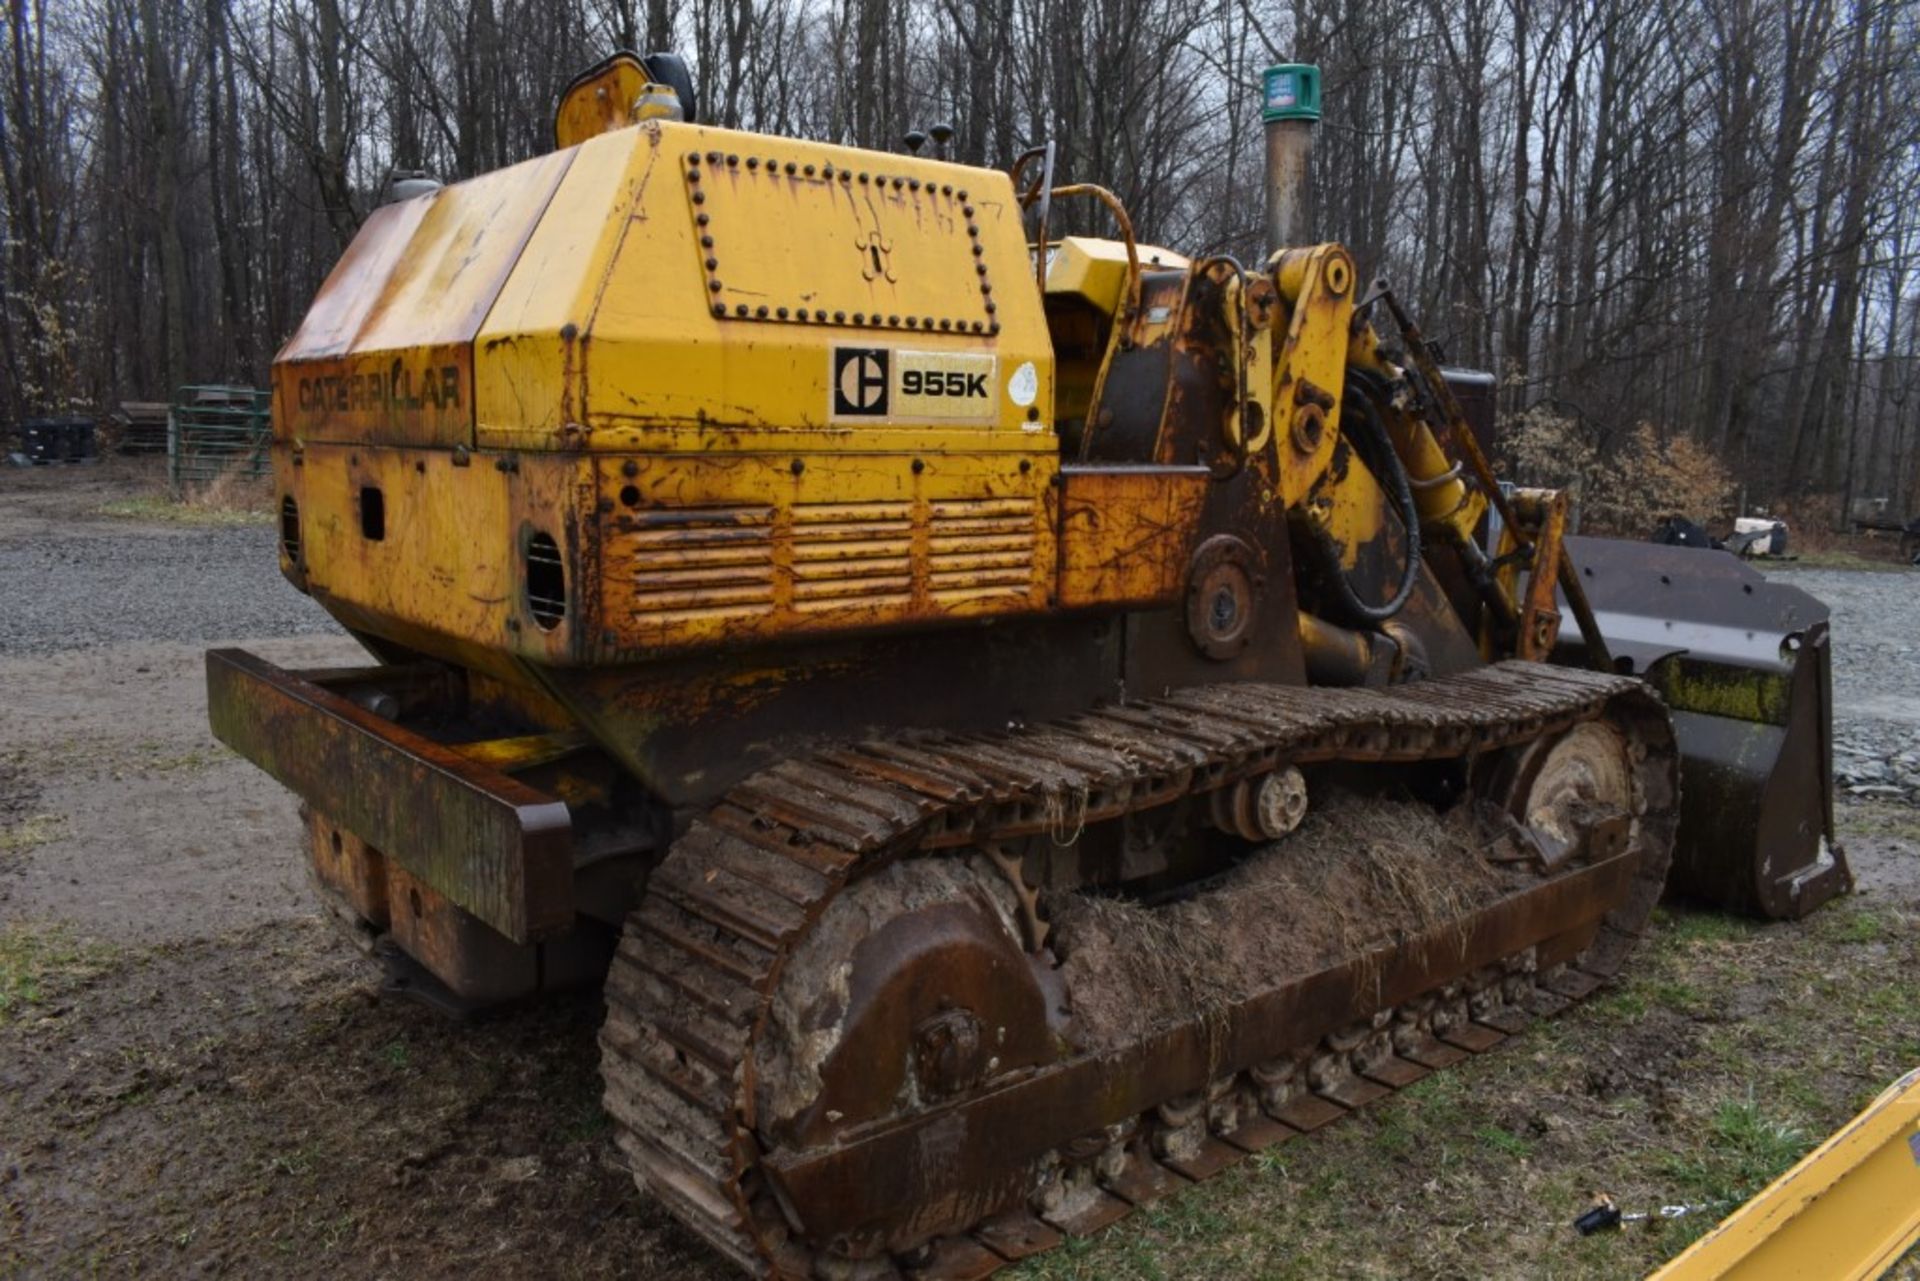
217	431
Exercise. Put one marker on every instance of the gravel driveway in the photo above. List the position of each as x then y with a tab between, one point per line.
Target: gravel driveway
119	813
1876	677
71	577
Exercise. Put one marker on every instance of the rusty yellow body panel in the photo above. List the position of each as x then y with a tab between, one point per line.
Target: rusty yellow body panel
1846	1212
1095	270
578	284
724	388
742	387
386	352
845	542
1126	533
619	333
444	575
763	550
713	389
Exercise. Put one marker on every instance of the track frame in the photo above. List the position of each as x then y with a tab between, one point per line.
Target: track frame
1072	1146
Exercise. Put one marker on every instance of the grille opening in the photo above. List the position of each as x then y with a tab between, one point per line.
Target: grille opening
373	514
546	582
290	529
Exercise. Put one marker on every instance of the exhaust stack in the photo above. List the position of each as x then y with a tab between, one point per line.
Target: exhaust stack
1290	107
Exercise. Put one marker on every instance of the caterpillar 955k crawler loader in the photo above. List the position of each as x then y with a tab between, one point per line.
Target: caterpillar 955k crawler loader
1014	729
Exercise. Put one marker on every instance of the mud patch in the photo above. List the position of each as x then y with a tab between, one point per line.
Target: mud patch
249	1106
17	795
24	825
1358	873
1886	865
804	1019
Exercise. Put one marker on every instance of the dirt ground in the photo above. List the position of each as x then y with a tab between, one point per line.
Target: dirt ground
197	1077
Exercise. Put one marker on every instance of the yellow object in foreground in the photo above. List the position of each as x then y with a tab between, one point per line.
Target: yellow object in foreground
1848	1210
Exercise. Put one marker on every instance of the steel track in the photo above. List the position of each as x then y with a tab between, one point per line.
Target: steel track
690	986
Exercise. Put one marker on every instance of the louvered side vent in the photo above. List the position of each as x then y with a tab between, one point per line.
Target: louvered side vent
701	564
848	554
980	549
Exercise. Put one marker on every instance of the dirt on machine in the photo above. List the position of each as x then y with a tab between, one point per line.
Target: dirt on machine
1015	721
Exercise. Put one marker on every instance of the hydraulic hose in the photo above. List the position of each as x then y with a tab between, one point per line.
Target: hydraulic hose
1375	448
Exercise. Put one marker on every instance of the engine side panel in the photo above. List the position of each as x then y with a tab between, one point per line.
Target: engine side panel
385	354
688	279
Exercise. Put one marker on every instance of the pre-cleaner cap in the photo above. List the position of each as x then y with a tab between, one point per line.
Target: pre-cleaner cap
1290	91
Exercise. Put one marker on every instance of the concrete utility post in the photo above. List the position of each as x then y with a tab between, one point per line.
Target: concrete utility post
1290	106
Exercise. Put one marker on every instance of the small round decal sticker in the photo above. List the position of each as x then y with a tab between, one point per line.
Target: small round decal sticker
1024	386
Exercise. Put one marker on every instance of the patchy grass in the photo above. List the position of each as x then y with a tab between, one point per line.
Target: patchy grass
246	1107
1675	995
171	758
103	756
1863	926
1879	818
1729	1049
1502	1142
232	498
1750	1149
1838	559
159	507
1693	928
36	965
31	832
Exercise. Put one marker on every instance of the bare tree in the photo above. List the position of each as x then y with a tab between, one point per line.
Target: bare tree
1698	214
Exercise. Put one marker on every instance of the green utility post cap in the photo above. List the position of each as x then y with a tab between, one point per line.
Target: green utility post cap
1290	91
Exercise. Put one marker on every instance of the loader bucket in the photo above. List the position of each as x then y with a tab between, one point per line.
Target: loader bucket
1743	664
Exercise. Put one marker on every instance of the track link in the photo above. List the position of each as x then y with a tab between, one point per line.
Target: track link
691	983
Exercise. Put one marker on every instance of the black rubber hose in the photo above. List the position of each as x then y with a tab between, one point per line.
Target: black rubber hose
1375	448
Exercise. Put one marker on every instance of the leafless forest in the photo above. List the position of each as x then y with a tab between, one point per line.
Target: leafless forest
1660	221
